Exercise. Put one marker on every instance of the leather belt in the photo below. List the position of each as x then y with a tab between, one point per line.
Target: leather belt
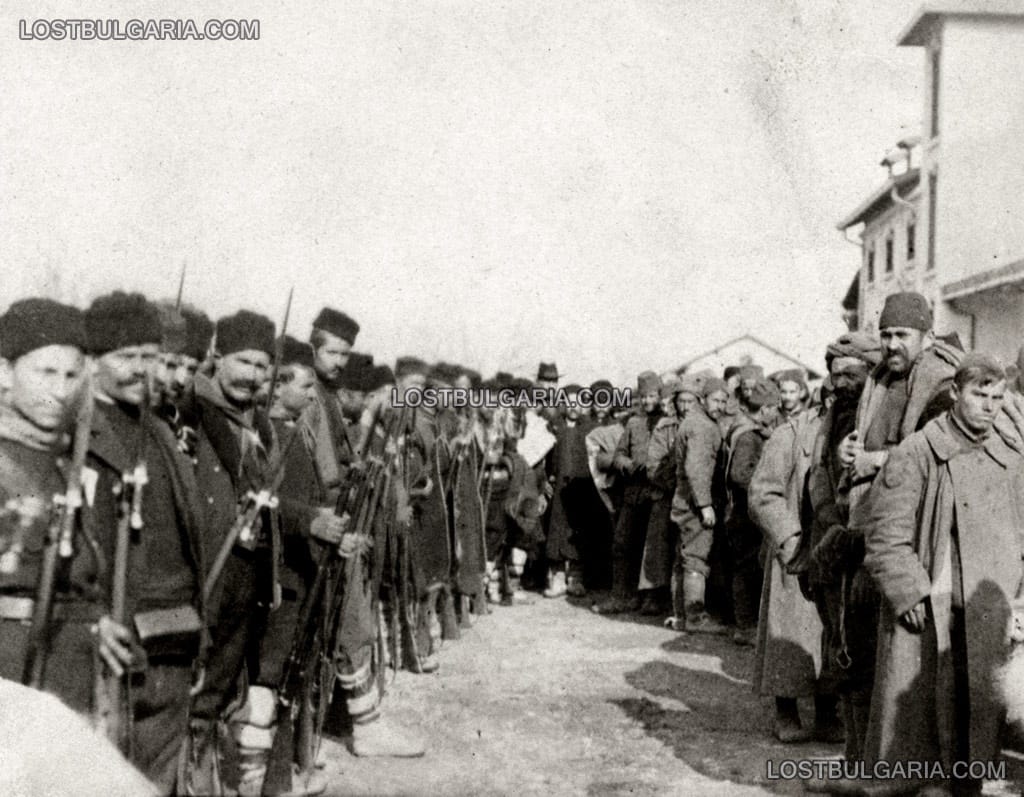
13	607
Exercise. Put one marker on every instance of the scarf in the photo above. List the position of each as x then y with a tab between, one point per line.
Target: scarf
16	427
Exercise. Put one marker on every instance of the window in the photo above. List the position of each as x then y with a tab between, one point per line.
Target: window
936	62
888	253
870	258
911	239
933	184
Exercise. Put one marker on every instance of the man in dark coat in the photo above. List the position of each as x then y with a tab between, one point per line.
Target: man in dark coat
42	370
630	461
133	453
744	535
944	543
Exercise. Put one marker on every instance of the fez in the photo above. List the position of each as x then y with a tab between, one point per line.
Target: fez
751	372
690	383
669	386
121	319
764	394
295	352
906	310
547	371
648	382
714	385
31	324
245	331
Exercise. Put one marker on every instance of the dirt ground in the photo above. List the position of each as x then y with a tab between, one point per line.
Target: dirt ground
550	698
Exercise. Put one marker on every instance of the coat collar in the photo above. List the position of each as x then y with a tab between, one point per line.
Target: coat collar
946	442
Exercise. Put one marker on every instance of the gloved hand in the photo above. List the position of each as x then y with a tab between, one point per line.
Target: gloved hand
328	527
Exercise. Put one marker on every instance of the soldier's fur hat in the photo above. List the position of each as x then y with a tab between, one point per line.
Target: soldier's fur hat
907	309
31	324
337	323
121	319
406	366
765	393
648	382
751	372
198	333
295	352
245	331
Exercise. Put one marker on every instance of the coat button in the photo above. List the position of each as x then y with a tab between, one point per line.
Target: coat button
216	468
209	499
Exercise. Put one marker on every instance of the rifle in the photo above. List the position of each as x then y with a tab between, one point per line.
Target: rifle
58	545
112	712
242	531
279	350
181	286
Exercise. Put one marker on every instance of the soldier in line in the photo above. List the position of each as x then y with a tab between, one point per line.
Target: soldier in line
695	454
154	643
787	661
42	372
235	452
630	461
332	337
746	444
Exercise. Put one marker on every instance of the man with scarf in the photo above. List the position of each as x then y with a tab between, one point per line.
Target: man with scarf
132	450
41	377
236	455
630	461
829	556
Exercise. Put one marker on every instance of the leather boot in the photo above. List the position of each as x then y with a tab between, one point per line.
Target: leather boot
697	619
381	739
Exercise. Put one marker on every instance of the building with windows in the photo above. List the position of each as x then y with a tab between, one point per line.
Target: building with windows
963	182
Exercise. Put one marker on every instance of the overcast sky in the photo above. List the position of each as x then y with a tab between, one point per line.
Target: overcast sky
612	185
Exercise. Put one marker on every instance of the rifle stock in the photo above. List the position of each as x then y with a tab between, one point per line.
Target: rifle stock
58	544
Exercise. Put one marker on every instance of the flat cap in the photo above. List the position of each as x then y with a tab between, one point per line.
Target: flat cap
31	324
982	362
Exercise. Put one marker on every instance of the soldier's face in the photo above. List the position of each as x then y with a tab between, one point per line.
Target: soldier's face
715	404
123	374
747	388
463	382
42	384
848	377
295	394
685	402
901	346
789	395
650	401
411	382
162	377
242	374
976	404
331	357
768	415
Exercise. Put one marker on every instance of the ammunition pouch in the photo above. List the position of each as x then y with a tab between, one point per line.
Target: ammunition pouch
173	632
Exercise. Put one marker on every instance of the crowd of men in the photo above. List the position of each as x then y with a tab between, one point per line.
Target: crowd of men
217	541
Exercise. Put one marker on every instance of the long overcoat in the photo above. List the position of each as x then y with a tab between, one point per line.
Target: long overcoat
935	482
787	659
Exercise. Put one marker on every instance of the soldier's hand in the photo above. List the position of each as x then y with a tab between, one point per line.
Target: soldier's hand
788	549
867	463
916	618
328	527
114	641
849	447
352	544
707	517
